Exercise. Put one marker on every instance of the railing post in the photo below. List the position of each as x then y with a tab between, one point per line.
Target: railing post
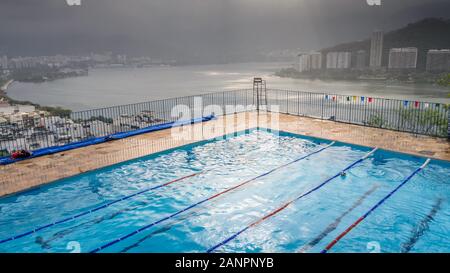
322	100
448	124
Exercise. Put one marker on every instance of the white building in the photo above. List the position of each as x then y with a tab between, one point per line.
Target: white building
6	109
316	60
339	60
360	59
332	60
403	58
101	58
4	62
438	60
20	63
376	49
121	59
309	61
344	60
304	62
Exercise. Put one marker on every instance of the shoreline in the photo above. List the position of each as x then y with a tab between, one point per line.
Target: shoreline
6	85
57	111
387	77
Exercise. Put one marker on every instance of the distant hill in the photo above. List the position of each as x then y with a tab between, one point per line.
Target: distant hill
430	33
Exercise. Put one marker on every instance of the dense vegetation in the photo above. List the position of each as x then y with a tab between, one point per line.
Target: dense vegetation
53	111
445	80
44	73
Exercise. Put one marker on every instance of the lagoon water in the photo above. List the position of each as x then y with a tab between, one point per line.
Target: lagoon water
114	86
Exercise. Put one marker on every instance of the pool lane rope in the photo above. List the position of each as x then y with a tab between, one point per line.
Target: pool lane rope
274	212
352	226
104	206
205	200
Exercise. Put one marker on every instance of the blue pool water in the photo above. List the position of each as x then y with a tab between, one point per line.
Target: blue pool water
414	219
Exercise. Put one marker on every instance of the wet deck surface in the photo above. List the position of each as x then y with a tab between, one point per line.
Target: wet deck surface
37	171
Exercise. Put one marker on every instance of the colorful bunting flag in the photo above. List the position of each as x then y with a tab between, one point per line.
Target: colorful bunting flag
370	99
362	99
416	104
405	103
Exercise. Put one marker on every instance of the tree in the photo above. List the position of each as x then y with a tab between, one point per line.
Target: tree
445	80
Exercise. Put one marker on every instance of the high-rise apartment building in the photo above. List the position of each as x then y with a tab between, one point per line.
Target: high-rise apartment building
376	49
438	60
339	60
4	62
309	61
360	59
316	60
403	58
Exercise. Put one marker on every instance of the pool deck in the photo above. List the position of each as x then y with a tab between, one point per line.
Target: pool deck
38	171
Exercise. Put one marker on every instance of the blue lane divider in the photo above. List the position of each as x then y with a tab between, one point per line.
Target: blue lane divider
338	238
56	149
224	242
96	208
204	201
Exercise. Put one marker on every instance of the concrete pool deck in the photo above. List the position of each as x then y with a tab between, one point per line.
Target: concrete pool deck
38	171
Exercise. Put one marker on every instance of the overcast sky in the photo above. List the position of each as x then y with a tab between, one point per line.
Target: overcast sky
180	28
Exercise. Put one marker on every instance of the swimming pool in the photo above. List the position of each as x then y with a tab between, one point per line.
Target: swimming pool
253	191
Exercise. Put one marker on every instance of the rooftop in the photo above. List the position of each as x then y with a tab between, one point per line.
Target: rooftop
38	171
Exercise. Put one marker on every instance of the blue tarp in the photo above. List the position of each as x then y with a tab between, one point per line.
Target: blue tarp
56	149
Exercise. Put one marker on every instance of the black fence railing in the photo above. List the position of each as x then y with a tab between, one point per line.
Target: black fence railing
34	131
418	117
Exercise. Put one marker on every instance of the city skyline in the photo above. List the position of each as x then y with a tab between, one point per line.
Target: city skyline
399	58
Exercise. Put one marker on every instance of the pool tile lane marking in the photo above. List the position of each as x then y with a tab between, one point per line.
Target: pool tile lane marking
224	242
98	208
340	236
206	200
422	227
336	222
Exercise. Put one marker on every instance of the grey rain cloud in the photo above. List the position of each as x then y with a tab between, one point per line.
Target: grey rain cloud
203	29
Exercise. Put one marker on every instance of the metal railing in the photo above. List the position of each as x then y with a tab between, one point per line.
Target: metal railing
35	132
416	117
